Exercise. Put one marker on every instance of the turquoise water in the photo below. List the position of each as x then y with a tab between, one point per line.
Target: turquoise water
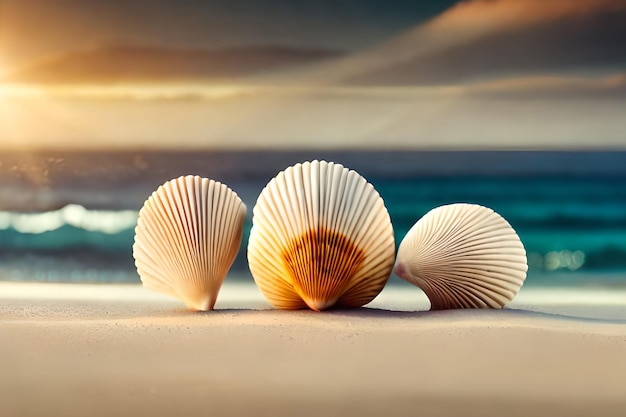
568	208
568	225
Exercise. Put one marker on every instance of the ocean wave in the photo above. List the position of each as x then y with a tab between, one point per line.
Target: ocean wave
96	245
77	216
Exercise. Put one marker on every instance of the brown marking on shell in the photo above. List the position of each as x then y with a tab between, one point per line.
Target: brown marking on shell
321	237
321	263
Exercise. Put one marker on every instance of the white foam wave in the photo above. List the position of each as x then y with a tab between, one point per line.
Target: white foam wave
104	221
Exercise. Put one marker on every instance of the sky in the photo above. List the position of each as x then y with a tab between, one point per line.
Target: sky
487	74
32	29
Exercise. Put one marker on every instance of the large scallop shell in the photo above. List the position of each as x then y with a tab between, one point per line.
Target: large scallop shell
321	237
187	237
463	256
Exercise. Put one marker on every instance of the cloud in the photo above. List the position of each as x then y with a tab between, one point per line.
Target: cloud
487	16
32	29
552	87
481	115
115	64
489	38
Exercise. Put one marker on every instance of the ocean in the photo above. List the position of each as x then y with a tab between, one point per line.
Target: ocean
70	216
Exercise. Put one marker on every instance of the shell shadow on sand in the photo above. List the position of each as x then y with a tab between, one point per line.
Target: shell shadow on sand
490	317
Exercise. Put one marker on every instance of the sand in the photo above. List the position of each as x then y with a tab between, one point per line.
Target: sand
88	350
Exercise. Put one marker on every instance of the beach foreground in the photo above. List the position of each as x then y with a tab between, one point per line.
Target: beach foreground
75	350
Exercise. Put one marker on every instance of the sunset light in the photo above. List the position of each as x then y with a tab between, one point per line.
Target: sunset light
447	178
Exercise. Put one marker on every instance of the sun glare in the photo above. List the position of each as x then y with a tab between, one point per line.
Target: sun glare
3	71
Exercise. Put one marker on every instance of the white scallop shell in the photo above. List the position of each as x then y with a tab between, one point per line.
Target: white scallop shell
321	237
187	237
463	256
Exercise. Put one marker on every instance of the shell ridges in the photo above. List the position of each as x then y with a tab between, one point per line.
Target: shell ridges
463	256
187	236
321	238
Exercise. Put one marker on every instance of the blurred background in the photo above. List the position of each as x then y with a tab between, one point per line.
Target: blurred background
519	105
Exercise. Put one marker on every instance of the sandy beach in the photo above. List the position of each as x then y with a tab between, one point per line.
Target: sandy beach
76	350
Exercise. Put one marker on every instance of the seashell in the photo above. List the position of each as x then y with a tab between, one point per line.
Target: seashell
463	256
187	237
321	237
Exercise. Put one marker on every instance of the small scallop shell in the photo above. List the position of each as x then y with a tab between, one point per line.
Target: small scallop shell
187	237
463	256
321	237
